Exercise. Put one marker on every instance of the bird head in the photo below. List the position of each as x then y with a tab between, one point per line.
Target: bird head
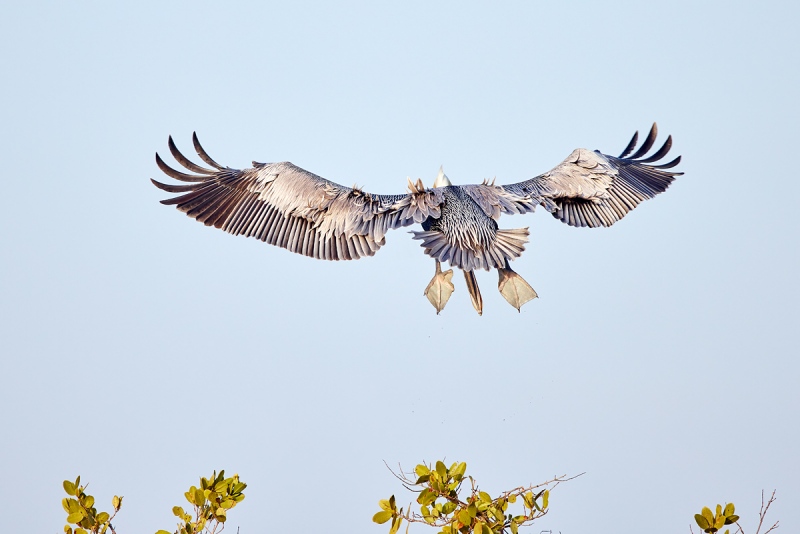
441	179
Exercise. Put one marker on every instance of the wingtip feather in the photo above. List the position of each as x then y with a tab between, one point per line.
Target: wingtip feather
203	154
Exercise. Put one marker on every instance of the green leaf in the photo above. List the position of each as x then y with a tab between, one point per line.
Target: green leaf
116	502
421	470
88	502
75	517
67	529
731	519
729	509
384	504
701	521
423	479
65	504
395	525
382	517
512	498
485	497
514	527
461	469
178	511
464	517
426	497
528	498
448	507
708	515
80	531
102	517
69	487
546	499
199	497
163	532
441	470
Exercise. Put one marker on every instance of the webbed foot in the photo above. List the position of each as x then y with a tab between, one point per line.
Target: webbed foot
440	288
514	288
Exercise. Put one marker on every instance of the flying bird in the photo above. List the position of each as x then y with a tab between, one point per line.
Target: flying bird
292	208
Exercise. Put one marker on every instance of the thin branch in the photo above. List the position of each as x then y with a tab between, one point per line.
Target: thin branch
763	513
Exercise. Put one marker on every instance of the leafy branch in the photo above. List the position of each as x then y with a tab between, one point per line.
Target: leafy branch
82	513
210	505
210	502
711	522
442	505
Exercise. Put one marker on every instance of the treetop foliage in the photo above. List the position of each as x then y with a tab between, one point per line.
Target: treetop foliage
443	504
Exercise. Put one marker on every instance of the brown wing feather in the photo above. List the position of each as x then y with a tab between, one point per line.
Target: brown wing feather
593	189
289	207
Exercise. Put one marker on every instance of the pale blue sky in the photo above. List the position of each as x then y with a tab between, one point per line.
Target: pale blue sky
142	350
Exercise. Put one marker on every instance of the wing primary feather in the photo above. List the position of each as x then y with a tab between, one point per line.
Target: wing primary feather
221	211
202	153
195	201
207	205
177	201
173	188
631	145
183	160
661	152
648	143
669	165
239	218
183	177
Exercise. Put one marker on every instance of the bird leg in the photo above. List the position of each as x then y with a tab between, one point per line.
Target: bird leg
474	292
440	288
514	288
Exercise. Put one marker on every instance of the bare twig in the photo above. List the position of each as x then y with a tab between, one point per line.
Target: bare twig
762	513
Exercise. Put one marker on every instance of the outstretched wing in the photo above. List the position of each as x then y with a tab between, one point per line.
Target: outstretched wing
292	208
588	188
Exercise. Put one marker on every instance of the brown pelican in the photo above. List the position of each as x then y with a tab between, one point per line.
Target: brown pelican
292	208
